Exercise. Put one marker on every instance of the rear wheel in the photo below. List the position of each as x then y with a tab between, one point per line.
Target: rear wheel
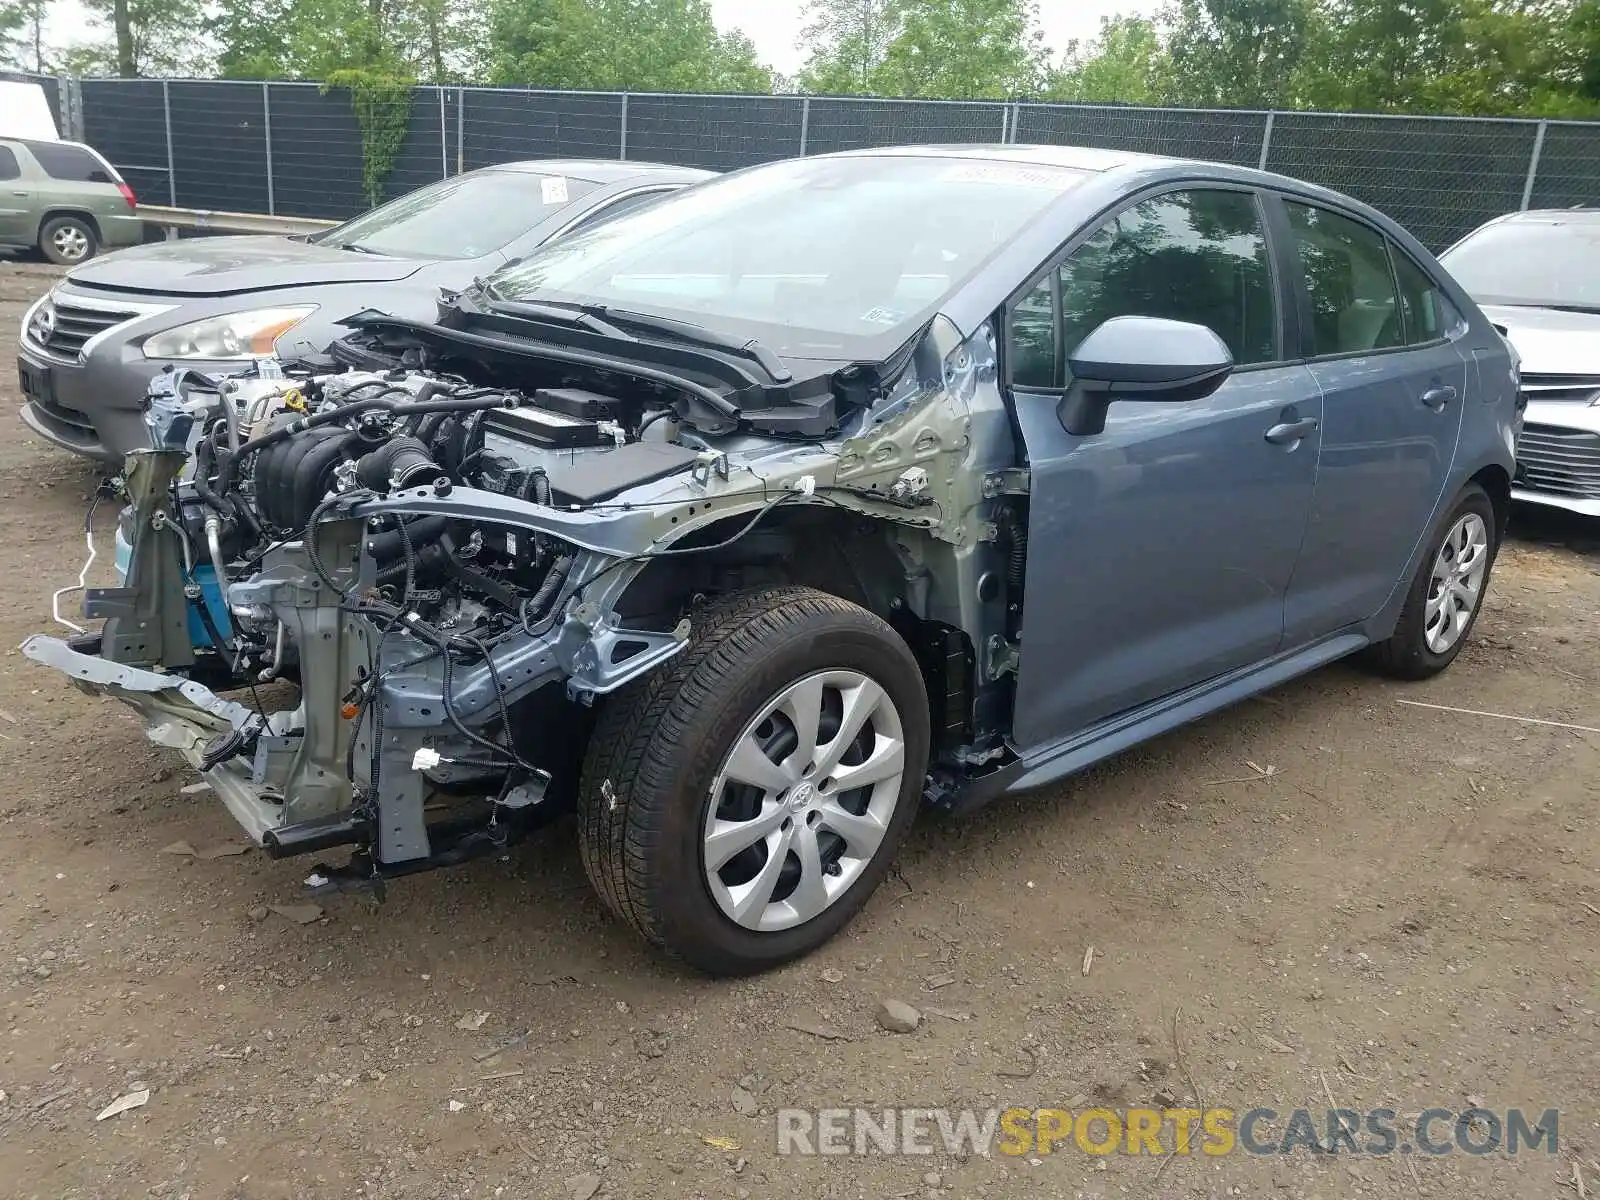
68	240
740	805
1447	593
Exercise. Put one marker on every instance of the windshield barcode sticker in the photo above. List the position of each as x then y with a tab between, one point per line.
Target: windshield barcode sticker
553	189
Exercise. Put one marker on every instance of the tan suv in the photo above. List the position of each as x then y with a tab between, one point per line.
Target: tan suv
64	199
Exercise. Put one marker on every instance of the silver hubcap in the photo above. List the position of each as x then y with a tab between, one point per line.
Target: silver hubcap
70	242
1457	582
803	800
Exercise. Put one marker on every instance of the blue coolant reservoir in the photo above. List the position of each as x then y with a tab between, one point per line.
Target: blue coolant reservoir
210	595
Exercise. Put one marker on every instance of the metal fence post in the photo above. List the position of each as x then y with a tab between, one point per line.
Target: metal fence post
1266	140
444	139
1533	165
1005	123
805	123
461	130
1016	120
623	151
266	125
172	175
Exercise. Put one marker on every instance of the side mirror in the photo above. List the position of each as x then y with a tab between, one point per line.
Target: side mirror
1142	359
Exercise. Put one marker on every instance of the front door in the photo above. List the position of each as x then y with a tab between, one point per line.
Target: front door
1382	344
1160	550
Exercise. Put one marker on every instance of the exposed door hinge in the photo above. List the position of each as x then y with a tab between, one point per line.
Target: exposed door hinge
1013	481
1001	657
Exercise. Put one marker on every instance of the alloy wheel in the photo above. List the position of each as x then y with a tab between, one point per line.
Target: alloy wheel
70	243
803	800
1456	586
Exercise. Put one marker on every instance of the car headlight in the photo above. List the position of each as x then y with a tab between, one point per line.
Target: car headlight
240	335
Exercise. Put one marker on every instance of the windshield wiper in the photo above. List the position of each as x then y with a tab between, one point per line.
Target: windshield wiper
358	248
699	335
601	320
561	315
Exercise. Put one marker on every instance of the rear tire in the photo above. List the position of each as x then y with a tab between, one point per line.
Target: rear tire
663	795
1447	593
68	241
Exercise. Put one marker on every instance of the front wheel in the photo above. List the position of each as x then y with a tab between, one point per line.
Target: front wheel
740	805
1447	594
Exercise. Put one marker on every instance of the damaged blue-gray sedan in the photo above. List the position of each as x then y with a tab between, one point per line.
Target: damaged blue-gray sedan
748	523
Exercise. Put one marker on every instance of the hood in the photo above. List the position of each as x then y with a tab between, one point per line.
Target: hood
226	266
1550	341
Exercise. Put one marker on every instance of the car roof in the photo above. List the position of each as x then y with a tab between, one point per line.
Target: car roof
1555	216
1081	158
604	170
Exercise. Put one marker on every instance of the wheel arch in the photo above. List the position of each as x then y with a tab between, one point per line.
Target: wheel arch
1496	481
829	549
55	211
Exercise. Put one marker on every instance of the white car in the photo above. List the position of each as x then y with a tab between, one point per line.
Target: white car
1537	277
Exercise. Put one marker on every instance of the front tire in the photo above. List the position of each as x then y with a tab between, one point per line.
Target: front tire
68	241
1447	593
740	805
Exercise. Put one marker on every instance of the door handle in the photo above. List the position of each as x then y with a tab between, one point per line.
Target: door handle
1437	397
19	193
1290	432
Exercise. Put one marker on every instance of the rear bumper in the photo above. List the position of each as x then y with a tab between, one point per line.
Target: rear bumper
119	231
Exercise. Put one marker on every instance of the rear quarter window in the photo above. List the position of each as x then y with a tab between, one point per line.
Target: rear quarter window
8	164
71	164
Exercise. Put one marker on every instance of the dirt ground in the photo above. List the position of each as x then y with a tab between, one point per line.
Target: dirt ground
1404	912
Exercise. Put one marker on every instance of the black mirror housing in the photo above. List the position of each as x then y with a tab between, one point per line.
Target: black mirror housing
1141	359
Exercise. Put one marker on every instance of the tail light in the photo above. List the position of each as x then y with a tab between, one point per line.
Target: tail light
127	194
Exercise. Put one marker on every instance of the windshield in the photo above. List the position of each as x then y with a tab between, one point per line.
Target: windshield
465	217
1539	262
820	258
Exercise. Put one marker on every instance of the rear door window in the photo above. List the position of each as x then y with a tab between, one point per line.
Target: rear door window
9	168
1423	307
72	164
1355	306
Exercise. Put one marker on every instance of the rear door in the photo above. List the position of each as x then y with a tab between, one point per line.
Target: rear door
1384	347
18	218
1159	551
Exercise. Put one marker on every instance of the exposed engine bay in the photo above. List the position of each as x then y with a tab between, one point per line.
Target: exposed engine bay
446	556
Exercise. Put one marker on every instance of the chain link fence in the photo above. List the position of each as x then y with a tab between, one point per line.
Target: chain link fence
296	150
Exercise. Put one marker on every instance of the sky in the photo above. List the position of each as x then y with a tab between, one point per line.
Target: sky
774	25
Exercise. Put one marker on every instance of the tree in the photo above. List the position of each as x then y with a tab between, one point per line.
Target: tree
1239	53
22	33
619	45
1127	63
849	42
965	49
148	37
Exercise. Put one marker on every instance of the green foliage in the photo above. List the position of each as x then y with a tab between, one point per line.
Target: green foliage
22	34
966	49
159	39
619	45
849	42
1238	53
1127	63
1476	57
1483	57
382	104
